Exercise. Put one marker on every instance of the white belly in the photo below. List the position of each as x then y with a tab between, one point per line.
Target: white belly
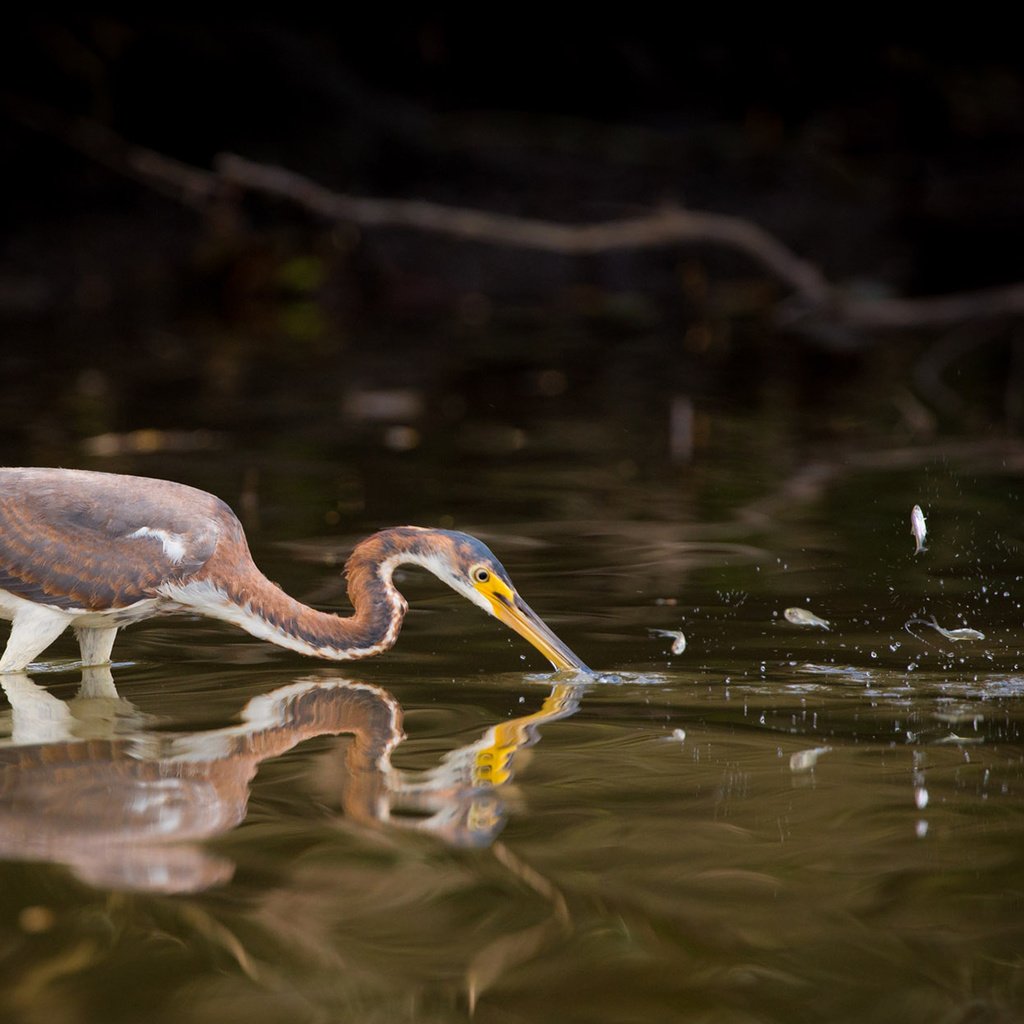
11	606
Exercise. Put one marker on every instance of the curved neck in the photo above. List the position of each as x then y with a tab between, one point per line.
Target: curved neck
261	608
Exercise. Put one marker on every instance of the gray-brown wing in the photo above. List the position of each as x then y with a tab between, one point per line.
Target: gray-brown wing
74	539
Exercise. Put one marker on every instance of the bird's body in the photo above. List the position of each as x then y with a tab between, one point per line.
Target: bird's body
97	551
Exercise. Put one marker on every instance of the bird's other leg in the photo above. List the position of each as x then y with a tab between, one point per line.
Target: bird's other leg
32	631
96	643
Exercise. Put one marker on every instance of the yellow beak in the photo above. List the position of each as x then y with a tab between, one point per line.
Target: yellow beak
518	615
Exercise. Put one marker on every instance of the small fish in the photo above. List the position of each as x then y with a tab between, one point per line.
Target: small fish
963	633
918	528
805	760
802	617
678	640
960	740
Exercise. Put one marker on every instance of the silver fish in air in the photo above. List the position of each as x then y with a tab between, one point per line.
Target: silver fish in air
918	528
802	617
678	639
963	633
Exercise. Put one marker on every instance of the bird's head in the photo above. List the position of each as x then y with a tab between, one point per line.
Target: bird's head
469	567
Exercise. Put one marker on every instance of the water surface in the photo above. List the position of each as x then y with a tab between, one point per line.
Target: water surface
779	824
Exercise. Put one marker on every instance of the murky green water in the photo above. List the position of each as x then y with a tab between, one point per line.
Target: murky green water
779	824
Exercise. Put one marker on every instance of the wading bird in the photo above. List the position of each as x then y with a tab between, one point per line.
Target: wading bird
97	551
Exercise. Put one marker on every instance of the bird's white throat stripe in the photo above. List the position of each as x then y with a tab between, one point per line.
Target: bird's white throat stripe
209	599
173	543
440	568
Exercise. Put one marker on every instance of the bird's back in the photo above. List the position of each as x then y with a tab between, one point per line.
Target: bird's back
79	539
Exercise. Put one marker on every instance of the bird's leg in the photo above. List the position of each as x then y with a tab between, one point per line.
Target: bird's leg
96	643
32	631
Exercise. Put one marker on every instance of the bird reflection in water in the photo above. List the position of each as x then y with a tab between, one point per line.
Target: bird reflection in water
86	784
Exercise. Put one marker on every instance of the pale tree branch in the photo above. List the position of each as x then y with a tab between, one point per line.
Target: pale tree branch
937	311
815	299
181	182
667	226
663	227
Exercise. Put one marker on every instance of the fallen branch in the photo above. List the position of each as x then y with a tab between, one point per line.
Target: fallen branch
814	299
184	183
667	226
940	311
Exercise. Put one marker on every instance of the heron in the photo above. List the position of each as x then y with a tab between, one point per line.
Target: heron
99	551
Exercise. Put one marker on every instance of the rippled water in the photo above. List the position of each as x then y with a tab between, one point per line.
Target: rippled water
778	824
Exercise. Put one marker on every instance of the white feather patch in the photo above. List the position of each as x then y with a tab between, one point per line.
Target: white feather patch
173	543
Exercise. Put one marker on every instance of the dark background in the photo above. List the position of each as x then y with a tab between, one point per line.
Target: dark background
894	167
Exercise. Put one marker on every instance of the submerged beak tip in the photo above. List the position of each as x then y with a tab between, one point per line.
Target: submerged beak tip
519	616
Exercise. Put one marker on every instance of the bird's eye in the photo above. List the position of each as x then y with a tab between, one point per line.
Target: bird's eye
481	575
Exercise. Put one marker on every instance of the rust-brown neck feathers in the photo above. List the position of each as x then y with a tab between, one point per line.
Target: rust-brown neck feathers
263	609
